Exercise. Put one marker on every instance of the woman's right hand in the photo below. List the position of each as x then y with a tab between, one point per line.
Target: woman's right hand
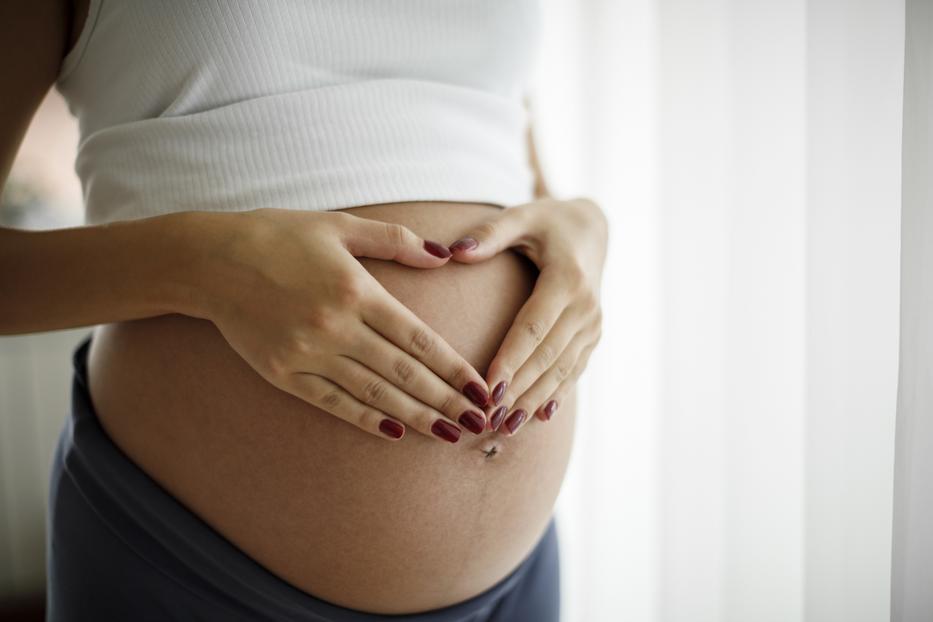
285	290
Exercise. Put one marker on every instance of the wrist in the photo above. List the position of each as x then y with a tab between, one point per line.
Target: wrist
189	243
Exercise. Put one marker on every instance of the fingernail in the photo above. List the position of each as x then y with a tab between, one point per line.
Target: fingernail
438	250
515	420
476	393
392	429
464	244
495	420
446	430
499	391
473	421
549	409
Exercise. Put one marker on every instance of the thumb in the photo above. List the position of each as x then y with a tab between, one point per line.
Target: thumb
491	237
363	237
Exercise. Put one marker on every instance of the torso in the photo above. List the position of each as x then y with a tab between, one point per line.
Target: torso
348	517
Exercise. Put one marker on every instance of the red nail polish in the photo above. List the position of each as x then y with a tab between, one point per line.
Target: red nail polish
515	420
473	421
476	393
499	391
495	420
446	430
464	244
438	250
392	429
549	409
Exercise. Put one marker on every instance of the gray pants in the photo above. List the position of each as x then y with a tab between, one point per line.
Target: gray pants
121	548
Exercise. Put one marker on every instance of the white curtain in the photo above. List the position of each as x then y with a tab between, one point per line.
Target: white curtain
912	560
735	452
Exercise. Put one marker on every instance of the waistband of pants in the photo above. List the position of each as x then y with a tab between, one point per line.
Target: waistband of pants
176	541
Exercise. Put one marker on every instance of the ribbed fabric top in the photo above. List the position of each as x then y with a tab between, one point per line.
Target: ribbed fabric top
317	104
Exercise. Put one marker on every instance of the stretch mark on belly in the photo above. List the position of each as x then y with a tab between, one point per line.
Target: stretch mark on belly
492	451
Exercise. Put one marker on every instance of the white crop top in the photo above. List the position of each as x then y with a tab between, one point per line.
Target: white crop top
231	105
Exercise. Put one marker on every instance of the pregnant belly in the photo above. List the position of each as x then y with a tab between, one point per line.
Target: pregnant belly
355	520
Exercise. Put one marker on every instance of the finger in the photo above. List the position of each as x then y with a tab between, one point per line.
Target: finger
492	237
397	323
411	376
329	397
530	401
568	325
364	237
372	389
549	409
532	324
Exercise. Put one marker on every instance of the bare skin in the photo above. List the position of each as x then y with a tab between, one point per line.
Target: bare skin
204	377
345	516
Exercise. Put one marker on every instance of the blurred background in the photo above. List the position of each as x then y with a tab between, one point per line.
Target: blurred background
734	455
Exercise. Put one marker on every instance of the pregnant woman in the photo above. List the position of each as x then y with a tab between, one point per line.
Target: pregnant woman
338	317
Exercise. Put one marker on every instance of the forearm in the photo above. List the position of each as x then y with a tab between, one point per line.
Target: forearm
541	191
82	276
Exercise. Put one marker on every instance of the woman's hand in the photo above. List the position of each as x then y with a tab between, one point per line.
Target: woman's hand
285	290
548	345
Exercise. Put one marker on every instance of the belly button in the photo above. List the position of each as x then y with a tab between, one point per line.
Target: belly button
492	451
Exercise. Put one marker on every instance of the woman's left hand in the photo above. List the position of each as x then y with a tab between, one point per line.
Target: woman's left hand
547	347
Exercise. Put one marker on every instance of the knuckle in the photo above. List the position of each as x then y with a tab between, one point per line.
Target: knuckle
598	316
396	234
404	371
519	403
590	301
563	370
460	376
421	342
300	348
320	319
574	276
368	419
276	366
425	417
419	419
503	369
374	391
487	229
335	222
281	360
597	336
535	330
449	403
331	398
349	290
545	356
337	217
